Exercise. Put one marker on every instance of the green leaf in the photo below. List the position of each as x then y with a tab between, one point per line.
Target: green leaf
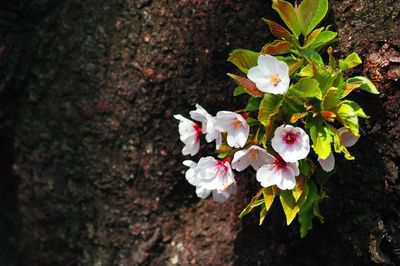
364	84
349	62
269	107
243	59
322	140
357	108
255	201
324	77
269	194
301	188
306	212
312	55
263	213
288	14
277	30
312	37
348	118
223	155
307	71
239	90
289	205
311	13
324	38
305	88
322	177
330	99
253	104
306	167
294	64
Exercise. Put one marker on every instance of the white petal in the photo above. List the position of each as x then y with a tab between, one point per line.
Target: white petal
241	134
347	138
231	139
189	163
282	69
270	88
202	192
221	196
287	180
190	173
328	164
218	141
240	160
191	149
255	74
266	175
266	63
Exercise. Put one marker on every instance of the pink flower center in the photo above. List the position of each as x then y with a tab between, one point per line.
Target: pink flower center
221	167
290	138
199	130
279	162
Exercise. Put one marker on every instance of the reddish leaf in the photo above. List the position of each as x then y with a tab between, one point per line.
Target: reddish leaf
248	85
329	116
276	48
277	30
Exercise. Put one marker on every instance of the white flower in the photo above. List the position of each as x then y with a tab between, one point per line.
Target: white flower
280	173
236	127
208	125
254	156
218	195
328	164
270	75
348	139
190	133
214	174
292	143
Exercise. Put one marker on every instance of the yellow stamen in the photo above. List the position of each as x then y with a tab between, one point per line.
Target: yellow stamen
236	123
253	155
275	79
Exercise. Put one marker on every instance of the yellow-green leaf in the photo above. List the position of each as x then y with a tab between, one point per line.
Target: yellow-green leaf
297	116
290	208
243	59
310	14
349	62
288	14
364	84
348	118
322	140
269	107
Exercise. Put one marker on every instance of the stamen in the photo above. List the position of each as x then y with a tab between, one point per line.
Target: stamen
275	79
279	162
253	155
289	138
236	123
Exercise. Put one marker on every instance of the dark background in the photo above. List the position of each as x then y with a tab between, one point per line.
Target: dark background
90	162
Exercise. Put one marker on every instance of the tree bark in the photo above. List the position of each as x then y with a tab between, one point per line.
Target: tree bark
90	155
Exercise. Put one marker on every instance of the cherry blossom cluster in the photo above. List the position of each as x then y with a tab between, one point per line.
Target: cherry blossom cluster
297	116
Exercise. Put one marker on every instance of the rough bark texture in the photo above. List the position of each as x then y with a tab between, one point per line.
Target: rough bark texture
90	158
